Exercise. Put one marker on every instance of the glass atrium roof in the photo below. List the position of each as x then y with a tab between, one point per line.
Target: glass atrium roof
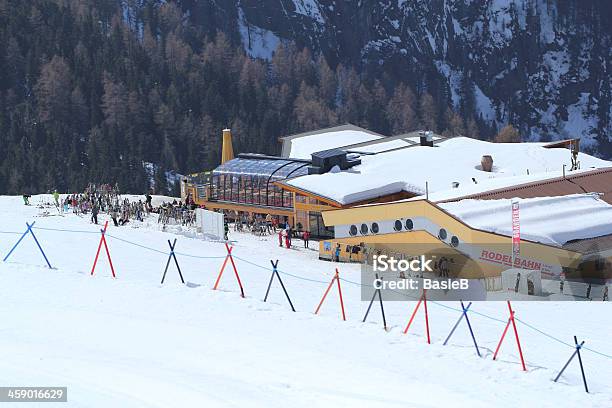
263	167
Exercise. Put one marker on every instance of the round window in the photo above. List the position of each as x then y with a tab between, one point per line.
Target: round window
374	228
455	241
353	230
398	225
409	224
442	234
364	229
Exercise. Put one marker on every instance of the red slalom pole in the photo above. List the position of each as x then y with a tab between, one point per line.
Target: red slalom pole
231	259
518	342
340	292
423	299
426	315
501	340
98	252
337	279
103	241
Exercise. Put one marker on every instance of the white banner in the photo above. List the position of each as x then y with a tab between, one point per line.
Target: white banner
211	223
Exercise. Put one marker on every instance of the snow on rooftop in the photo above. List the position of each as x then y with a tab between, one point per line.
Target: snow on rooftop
382	146
549	220
453	160
303	147
494	184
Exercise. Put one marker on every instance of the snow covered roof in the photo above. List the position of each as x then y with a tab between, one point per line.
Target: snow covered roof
549	220
301	146
449	161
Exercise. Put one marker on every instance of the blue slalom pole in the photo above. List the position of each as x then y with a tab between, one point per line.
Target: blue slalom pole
467	319
38	243
457	324
574	354
29	230
18	242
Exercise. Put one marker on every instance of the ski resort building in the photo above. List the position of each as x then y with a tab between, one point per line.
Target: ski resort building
347	166
565	235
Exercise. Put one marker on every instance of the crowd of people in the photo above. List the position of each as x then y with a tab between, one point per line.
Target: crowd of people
106	199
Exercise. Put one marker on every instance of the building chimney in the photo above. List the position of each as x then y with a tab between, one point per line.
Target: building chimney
487	163
227	150
426	138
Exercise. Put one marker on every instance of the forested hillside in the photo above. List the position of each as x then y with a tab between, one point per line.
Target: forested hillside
124	91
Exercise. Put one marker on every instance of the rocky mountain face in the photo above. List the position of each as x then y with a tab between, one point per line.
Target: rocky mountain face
542	65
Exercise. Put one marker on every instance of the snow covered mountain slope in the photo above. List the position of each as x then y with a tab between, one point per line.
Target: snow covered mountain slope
132	342
542	65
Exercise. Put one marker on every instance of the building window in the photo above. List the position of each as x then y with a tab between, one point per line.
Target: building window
409	224
364	229
442	234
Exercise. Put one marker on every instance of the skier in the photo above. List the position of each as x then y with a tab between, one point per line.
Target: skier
226	231
94	214
287	240
280	237
306	237
56	198
26	199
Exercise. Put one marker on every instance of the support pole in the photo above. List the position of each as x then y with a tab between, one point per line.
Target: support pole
275	272
171	256
467	319
576	351
29	230
382	309
231	259
518	343
422	299
103	241
336	278
581	366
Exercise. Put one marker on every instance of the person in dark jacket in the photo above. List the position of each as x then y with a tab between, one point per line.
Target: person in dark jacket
94	214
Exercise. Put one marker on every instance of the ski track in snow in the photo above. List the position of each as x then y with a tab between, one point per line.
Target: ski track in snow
133	342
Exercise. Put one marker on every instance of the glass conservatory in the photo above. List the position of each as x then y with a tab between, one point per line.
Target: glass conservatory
249	179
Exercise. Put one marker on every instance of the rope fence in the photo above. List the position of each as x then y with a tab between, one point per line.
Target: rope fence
311	280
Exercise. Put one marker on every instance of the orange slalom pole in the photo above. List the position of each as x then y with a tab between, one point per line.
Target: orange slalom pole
325	294
222	269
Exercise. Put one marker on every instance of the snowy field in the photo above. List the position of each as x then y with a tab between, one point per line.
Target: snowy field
132	342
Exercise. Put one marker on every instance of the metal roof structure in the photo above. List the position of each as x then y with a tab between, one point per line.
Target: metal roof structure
263	166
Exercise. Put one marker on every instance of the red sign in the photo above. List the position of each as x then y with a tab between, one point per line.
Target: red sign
516	229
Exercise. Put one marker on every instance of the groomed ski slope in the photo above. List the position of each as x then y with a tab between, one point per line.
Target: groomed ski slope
131	342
